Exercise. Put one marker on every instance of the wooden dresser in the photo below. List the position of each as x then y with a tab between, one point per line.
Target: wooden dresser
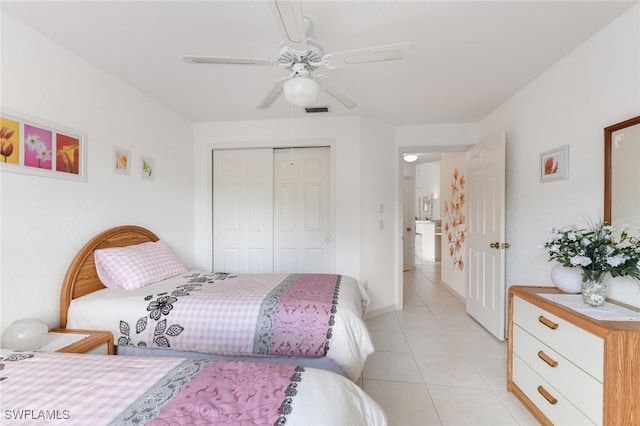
569	369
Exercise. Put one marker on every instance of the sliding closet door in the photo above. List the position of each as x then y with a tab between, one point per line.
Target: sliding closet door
302	221
243	211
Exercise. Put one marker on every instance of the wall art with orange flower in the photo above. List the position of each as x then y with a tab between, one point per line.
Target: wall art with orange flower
30	145
121	161
554	164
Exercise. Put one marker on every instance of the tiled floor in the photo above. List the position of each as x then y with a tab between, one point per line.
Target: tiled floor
434	365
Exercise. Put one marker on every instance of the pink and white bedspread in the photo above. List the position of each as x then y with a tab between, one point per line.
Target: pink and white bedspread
41	388
276	315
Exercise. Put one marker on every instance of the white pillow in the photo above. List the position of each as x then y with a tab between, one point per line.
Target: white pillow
132	267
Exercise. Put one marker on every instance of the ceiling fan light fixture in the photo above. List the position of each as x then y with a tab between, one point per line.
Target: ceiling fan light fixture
410	158
301	91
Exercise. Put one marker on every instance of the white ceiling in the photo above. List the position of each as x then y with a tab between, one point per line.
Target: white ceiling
467	57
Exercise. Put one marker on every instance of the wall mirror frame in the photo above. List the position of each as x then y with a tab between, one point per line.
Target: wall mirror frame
610	142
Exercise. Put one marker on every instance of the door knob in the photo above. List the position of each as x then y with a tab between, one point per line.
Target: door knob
505	245
494	245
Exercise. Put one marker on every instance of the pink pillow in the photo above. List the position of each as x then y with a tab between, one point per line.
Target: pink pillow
132	267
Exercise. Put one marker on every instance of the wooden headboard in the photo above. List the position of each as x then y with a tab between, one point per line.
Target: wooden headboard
82	277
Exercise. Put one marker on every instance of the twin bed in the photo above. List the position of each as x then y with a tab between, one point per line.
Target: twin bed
40	388
200	342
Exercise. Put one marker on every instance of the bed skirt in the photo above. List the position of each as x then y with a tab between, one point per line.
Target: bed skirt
322	363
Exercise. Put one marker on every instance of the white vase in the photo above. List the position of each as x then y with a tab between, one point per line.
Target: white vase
569	280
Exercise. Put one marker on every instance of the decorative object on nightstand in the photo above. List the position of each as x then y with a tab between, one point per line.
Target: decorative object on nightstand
25	335
598	250
79	341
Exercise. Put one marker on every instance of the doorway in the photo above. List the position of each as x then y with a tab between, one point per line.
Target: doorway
481	281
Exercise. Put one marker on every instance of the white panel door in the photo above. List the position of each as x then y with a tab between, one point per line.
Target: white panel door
486	234
243	210
301	218
409	224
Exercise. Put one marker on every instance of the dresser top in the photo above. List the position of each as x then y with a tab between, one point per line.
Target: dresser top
599	327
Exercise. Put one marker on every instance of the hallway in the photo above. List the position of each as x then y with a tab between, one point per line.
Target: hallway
435	365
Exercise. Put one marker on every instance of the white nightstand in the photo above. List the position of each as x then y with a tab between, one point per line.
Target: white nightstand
79	341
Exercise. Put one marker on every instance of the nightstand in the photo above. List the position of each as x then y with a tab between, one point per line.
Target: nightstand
79	341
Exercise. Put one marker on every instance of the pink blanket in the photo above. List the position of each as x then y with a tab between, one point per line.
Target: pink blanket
265	314
234	392
90	389
297	323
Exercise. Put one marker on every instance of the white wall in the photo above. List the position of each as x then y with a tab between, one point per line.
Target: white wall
379	250
593	87
45	221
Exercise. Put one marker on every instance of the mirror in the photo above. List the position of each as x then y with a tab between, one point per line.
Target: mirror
622	174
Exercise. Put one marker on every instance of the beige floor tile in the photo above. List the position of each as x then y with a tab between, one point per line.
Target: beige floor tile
483	345
388	321
460	325
517	410
435	365
432	343
395	366
387	340
449	370
492	370
406	404
463	406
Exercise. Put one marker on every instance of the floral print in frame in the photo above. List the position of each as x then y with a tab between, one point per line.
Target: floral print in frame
30	145
121	161
147	168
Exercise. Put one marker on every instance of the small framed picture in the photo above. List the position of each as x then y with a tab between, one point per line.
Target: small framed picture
554	164
121	161
147	168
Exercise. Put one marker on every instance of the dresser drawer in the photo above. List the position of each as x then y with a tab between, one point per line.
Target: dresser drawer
586	350
584	392
560	413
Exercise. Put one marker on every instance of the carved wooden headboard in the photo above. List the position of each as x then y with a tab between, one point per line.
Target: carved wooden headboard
82	277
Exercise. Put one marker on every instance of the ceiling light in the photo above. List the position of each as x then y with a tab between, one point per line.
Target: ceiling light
301	91
410	158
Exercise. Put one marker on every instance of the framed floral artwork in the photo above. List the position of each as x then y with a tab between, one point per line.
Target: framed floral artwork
147	168
34	146
554	164
121	161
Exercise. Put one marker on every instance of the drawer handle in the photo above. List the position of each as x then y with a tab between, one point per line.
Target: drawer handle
550	399
546	358
546	321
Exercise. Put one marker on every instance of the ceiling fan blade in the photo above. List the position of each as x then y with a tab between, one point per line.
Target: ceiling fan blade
273	94
225	60
288	14
391	52
336	91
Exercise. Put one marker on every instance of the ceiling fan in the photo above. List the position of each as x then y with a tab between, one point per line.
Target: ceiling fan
301	55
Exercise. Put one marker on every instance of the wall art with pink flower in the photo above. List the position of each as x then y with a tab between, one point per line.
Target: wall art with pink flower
455	226
554	164
30	145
